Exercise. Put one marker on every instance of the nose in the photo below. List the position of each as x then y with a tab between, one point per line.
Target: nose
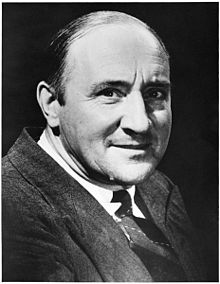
135	117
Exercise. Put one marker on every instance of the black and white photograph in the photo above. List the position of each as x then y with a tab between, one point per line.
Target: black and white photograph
110	142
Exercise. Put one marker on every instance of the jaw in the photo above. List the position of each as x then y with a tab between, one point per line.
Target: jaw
126	172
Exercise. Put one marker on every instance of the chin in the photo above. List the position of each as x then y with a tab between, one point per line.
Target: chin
132	175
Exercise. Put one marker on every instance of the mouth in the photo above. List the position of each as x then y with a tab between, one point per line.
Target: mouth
133	146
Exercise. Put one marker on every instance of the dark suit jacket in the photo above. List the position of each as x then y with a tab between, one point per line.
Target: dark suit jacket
54	230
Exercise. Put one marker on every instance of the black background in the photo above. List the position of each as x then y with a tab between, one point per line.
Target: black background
190	33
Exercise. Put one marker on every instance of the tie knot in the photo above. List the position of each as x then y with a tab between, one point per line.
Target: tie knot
126	205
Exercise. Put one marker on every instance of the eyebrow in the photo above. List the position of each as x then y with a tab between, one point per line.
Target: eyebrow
158	83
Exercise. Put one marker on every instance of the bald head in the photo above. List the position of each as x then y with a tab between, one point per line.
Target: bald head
95	24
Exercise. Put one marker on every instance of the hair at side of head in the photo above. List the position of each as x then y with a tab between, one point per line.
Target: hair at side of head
76	29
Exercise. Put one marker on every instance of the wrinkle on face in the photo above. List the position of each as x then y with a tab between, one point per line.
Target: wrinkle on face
115	58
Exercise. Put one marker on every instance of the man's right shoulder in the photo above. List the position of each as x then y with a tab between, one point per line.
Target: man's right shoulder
12	179
7	167
17	192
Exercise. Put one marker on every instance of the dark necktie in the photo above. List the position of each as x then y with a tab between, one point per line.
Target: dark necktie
124	198
148	242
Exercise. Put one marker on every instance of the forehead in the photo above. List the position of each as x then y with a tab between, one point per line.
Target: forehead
117	50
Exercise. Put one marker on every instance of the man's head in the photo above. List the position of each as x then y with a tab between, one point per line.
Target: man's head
110	97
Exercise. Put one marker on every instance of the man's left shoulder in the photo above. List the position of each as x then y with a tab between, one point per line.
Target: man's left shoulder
162	190
157	186
161	182
161	197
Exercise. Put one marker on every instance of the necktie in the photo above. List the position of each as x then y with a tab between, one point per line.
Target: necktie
145	225
148	242
126	205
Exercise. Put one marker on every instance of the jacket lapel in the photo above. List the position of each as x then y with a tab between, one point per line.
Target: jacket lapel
104	241
166	208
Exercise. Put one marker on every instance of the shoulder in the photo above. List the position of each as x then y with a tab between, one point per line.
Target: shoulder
165	186
161	181
162	198
157	189
24	205
15	187
32	231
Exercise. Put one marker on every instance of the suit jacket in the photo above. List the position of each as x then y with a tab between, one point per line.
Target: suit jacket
54	230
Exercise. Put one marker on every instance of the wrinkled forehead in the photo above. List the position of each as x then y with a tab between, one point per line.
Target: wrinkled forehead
116	44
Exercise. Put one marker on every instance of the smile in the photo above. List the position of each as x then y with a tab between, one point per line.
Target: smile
133	146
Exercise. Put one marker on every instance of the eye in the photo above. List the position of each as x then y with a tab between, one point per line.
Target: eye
156	94
111	93
108	93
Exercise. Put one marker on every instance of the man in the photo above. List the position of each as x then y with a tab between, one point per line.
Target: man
108	113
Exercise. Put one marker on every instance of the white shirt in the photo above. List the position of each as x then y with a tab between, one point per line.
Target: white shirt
102	195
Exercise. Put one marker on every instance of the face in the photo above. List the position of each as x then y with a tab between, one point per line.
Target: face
116	119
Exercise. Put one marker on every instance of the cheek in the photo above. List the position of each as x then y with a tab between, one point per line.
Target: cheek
99	122
163	122
90	126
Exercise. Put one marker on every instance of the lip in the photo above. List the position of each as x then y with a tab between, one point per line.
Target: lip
133	146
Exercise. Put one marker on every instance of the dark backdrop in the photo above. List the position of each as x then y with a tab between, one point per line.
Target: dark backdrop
190	33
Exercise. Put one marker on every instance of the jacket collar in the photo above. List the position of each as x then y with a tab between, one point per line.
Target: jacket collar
166	208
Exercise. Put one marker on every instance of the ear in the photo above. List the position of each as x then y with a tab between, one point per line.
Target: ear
48	103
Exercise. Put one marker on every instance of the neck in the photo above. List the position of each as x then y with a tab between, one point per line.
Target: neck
74	164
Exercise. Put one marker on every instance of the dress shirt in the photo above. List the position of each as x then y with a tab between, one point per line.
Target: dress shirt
101	194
